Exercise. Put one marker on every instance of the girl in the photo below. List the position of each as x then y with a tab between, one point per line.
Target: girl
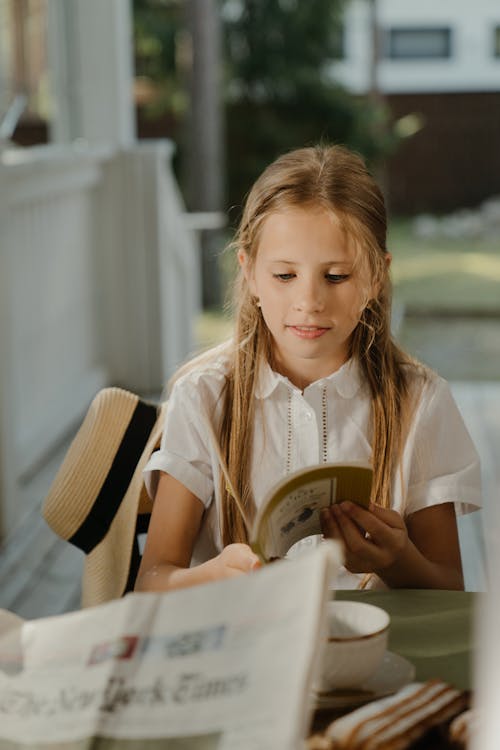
311	374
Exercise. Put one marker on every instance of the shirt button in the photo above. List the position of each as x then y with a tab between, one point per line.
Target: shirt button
308	416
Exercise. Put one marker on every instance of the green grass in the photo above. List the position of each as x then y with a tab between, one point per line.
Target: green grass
454	274
450	275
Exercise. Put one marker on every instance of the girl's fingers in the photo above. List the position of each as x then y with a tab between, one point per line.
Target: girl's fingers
380	526
362	554
388	516
351	528
369	541
329	525
240	557
382	544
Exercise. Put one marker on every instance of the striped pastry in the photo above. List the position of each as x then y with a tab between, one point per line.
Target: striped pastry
463	727
395	722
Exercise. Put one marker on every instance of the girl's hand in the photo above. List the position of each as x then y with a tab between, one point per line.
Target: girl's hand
374	540
234	560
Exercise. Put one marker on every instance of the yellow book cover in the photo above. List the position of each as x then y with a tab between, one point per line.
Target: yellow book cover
291	510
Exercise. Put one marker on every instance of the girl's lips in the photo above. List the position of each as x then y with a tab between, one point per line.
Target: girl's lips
308	332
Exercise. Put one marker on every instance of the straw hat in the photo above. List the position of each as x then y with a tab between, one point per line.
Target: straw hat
98	494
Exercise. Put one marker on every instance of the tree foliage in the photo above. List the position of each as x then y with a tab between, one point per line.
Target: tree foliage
278	89
157	27
275	49
280	92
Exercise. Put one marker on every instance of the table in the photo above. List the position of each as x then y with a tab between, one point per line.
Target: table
432	629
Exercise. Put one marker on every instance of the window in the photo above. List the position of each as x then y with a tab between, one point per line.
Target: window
496	41
418	43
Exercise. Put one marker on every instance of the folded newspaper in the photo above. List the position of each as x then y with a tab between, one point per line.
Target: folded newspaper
219	666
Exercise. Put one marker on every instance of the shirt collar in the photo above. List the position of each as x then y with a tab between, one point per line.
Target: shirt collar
346	380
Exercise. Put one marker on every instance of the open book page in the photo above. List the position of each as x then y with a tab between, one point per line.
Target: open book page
224	665
292	511
295	517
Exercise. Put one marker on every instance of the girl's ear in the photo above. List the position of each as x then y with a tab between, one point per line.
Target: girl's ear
243	260
388	261
248	271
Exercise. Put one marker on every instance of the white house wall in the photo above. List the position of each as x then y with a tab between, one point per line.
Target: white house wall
472	65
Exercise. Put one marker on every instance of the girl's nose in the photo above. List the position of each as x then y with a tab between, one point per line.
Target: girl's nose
310	298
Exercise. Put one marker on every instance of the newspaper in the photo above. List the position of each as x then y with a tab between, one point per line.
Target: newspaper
223	665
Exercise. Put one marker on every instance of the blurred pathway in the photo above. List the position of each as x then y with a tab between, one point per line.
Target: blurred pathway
465	349
39	572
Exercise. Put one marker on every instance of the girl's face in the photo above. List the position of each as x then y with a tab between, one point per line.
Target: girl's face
310	299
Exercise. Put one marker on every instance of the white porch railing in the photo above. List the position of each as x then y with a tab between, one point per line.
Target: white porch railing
98	284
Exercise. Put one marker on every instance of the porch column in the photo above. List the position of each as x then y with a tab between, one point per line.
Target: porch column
91	71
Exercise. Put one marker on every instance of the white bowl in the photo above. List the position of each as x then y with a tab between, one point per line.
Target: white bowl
356	644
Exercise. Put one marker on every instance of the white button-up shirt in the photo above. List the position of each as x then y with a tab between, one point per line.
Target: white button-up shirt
439	463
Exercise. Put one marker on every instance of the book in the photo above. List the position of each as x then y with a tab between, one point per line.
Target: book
230	664
291	510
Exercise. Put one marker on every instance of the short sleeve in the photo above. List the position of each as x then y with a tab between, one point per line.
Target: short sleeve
185	447
443	462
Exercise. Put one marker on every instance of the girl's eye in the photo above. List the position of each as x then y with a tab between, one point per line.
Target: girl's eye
336	278
284	276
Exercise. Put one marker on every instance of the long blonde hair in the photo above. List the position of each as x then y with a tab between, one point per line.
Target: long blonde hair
334	179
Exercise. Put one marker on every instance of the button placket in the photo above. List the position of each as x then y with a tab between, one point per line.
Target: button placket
324	424
288	463
308	416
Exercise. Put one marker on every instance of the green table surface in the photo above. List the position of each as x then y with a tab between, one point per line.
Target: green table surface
432	629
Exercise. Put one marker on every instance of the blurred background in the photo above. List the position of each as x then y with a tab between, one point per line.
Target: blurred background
130	133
